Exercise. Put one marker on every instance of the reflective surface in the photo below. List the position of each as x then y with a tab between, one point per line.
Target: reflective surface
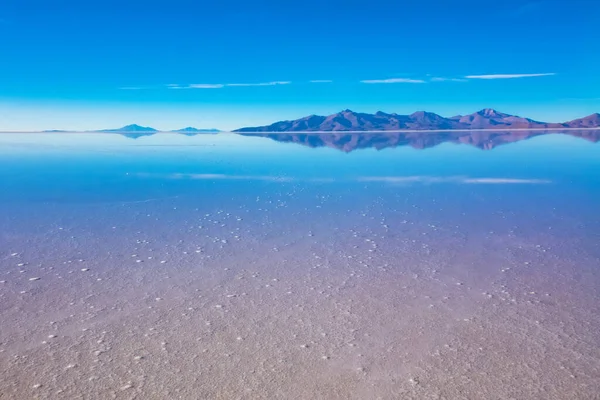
229	266
485	140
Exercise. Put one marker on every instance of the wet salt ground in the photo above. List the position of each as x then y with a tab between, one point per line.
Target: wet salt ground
302	290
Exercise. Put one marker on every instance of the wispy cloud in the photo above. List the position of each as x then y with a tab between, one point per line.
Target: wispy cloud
393	80
449	179
441	79
427	79
508	76
274	83
223	85
196	86
205	86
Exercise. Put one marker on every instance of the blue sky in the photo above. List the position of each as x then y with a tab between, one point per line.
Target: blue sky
230	63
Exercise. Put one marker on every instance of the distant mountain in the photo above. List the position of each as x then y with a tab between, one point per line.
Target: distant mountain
491	119
130	128
55	131
348	120
591	121
135	131
194	131
482	139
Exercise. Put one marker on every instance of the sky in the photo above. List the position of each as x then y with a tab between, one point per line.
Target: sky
72	64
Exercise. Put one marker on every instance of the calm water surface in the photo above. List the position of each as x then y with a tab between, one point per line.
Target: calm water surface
300	267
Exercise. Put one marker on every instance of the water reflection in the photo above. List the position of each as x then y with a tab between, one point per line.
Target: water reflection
485	140
137	135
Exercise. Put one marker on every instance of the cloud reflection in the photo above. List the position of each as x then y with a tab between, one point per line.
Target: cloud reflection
450	179
417	179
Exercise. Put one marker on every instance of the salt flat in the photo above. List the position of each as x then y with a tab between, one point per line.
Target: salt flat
119	280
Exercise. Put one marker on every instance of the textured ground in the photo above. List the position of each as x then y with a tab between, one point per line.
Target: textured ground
297	291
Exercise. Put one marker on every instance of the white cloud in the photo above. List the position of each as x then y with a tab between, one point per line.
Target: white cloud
196	86
393	80
205	86
222	85
321	81
274	83
507	76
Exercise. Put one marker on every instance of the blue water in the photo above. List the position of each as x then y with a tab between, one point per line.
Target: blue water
72	166
370	267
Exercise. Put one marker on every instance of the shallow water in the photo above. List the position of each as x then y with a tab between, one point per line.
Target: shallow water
245	267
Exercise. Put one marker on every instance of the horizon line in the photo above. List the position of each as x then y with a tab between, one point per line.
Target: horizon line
557	130
217	130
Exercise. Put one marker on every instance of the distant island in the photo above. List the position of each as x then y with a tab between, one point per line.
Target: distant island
350	121
190	129
135	131
130	128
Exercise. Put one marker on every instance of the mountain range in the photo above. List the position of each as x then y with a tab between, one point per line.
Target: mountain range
482	139
348	120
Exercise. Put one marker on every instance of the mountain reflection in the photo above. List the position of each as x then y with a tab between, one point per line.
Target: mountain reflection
137	135
485	140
